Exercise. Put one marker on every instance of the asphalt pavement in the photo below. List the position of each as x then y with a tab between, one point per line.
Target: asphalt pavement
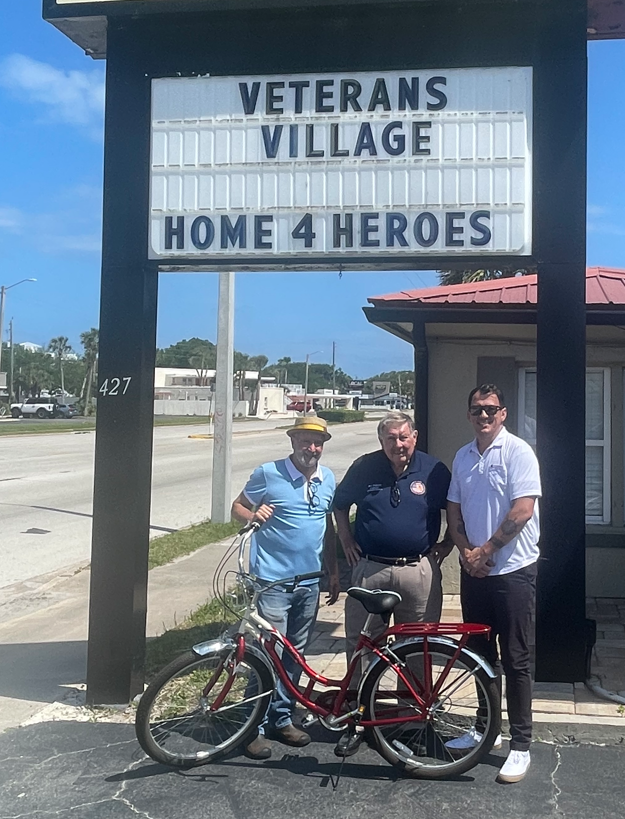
46	500
96	771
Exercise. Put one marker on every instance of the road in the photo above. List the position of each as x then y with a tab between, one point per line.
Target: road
46	486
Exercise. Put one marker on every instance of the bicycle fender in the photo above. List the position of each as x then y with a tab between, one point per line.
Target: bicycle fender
467	652
227	644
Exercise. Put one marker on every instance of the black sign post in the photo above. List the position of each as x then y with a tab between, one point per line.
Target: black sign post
149	40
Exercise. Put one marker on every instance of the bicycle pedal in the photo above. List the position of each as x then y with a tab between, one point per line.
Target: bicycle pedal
309	719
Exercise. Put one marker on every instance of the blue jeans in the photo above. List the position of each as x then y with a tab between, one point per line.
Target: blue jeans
293	614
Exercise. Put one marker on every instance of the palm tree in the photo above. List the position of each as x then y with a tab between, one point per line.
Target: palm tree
468	276
89	340
59	347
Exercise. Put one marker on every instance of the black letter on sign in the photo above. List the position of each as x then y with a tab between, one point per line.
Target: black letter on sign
299	86
408	94
233	233
418	138
452	229
366	228
379	96
177	231
303	230
272	143
209	232
435	92
260	232
293	140
350	91
310	142
365	141
273	99
432	229
321	94
398	146
396	224
334	141
338	232
249	100
483	230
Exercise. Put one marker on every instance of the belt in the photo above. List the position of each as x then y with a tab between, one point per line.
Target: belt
397	561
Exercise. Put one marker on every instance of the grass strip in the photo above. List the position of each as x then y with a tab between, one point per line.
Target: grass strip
168	547
206	623
88	424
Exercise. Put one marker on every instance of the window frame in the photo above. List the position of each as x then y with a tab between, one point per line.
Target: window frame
606	443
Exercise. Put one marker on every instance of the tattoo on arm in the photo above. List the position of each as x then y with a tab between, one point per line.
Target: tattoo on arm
509	527
497	542
461	528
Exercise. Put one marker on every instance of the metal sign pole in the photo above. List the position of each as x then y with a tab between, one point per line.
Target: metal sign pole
222	449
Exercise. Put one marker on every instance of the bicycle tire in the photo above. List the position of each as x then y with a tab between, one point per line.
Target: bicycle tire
173	725
418	748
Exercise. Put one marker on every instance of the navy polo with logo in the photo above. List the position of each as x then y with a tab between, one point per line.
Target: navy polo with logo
395	522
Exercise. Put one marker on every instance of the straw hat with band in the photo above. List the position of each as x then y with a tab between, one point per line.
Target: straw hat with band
310	423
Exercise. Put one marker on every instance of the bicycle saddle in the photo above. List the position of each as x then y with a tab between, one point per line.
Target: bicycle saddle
375	601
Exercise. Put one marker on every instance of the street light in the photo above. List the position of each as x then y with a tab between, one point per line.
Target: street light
3	290
308	355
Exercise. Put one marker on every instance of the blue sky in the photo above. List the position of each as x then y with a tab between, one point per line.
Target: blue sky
51	102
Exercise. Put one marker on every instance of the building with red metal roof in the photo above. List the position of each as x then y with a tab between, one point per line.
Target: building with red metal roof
485	332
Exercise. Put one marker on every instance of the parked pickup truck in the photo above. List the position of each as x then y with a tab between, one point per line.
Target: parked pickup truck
45	406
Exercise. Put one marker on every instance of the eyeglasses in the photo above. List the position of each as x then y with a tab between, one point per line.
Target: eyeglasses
395	495
311	493
490	410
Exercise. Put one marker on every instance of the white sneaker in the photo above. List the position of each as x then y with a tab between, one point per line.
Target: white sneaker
515	767
470	740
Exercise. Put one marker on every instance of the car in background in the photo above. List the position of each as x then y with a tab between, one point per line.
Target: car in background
298	406
43	406
66	411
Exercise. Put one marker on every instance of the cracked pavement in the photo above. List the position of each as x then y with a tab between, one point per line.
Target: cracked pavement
97	771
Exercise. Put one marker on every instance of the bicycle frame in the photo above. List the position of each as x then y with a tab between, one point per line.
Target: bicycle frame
380	649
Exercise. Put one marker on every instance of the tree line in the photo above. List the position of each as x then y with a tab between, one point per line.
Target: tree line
57	367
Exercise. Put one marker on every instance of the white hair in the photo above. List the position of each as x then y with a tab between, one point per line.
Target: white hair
394	419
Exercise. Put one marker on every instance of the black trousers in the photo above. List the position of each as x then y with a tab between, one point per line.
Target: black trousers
506	603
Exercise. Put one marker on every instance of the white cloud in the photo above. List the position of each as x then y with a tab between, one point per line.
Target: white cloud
596	210
11	219
72	97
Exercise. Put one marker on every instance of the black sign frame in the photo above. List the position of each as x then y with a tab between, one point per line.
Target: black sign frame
551	37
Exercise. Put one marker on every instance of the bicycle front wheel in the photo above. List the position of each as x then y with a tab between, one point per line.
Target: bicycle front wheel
177	723
467	705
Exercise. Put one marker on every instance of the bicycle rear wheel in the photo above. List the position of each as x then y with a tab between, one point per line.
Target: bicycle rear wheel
175	724
419	747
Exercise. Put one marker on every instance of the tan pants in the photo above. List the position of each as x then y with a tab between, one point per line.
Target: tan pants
421	593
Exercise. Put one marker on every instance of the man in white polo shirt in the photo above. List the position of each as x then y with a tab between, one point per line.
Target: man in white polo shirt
492	516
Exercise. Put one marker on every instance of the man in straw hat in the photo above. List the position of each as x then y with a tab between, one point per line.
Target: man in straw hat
291	498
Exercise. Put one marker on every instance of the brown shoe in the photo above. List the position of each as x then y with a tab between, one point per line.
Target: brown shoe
290	735
258	748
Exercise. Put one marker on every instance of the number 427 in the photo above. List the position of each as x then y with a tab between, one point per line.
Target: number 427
111	386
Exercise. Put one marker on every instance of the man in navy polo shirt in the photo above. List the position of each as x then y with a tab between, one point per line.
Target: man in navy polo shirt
291	498
399	493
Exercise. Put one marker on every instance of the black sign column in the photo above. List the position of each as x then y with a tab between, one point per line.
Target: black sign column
123	460
560	191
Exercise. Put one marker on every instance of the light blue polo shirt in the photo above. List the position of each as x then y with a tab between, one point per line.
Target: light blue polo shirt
291	541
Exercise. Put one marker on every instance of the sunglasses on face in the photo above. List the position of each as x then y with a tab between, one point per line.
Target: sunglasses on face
491	411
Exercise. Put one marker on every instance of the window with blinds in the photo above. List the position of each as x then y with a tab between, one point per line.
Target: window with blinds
597	435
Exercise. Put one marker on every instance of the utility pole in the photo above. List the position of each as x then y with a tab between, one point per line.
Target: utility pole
222	442
333	371
12	361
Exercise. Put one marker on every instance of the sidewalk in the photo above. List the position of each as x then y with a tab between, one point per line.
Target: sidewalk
43	634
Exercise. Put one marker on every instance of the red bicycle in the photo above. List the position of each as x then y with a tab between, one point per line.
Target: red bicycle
422	688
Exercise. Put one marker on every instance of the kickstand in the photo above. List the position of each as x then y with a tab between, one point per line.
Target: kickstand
335	783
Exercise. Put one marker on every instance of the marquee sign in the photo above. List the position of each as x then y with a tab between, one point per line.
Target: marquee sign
305	166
